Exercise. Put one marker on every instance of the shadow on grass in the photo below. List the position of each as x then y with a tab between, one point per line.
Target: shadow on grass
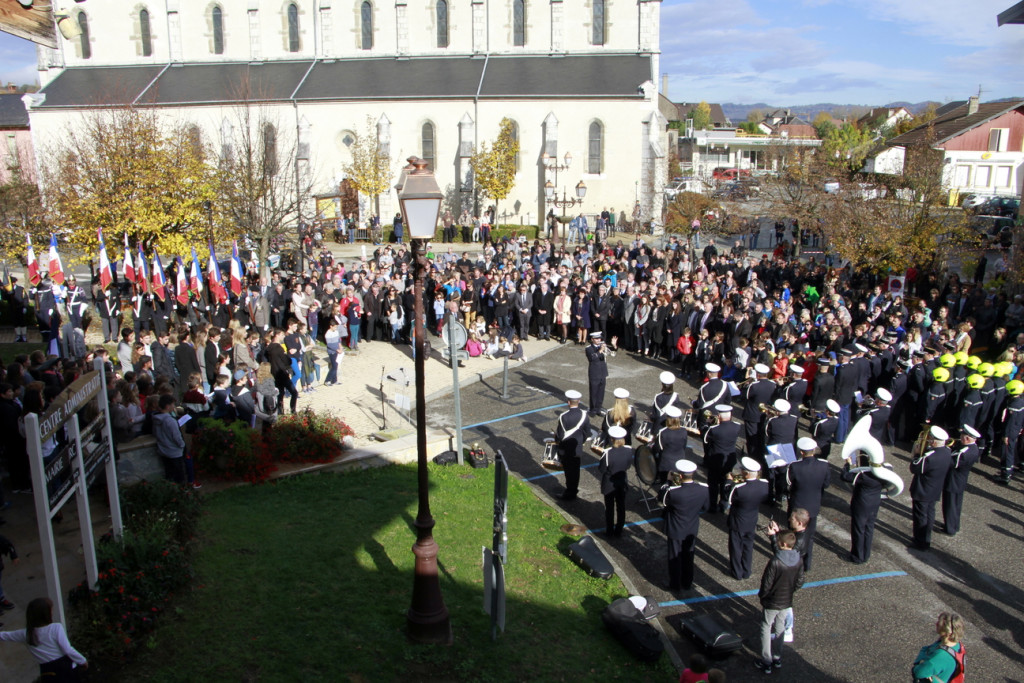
310	579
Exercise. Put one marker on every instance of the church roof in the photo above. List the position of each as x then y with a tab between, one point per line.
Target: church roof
12	111
520	76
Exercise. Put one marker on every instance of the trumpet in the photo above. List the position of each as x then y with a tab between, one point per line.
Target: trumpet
921	444
767	409
710	419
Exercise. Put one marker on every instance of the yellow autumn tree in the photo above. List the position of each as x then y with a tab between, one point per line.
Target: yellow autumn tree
701	115
370	170
125	172
494	165
21	214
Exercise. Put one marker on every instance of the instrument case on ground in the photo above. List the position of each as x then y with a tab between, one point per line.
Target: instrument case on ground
629	626
714	639
589	557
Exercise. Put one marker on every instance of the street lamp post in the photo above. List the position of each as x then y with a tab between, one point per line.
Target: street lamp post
550	189
427	618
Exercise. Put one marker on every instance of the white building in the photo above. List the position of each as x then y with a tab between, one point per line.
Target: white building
706	150
436	76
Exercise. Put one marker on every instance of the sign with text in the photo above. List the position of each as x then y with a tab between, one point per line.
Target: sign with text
78	393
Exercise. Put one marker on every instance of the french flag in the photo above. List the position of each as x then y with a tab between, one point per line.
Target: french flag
55	267
213	275
236	270
106	272
181	284
31	263
128	266
159	278
195	278
142	272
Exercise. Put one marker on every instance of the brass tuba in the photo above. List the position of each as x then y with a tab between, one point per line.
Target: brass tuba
860	440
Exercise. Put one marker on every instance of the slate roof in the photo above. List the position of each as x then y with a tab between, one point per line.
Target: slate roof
1012	15
520	76
952	123
12	111
718	116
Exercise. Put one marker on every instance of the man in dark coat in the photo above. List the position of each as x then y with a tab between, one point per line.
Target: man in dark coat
597	372
743	504
684	501
570	434
783	576
720	454
543	309
964	458
808	478
758	393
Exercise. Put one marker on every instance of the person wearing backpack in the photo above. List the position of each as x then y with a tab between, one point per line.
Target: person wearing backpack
943	661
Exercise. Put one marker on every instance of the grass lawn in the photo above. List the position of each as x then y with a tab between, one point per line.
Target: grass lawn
310	578
9	351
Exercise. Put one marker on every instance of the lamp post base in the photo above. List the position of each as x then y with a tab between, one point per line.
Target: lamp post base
427	619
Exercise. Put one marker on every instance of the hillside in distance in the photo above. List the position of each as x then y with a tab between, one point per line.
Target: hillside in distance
739	112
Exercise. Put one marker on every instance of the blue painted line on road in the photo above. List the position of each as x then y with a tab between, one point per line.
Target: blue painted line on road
813	584
509	417
642	521
555	474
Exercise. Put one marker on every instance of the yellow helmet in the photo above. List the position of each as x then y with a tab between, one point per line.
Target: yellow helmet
1015	387
1004	368
975	381
973	362
961	357
940	374
986	369
947	360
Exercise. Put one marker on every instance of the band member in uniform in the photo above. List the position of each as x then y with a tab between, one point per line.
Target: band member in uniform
621	415
743	503
795	391
970	405
898	389
669	444
779	429
614	469
714	392
867	497
1011	425
720	454
758	393
684	501
846	386
824	427
878	410
667	397
936	395
569	437
597	373
808	478
823	386
929	469
19	309
964	458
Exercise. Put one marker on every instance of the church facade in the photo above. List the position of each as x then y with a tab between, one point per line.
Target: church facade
429	78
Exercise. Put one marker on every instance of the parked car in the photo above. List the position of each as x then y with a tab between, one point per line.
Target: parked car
1008	207
737	190
684	185
971	202
723	173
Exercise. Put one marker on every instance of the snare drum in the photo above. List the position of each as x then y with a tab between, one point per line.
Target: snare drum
689	422
598	445
645	432
550	460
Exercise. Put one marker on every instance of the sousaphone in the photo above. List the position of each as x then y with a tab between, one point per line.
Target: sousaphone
860	440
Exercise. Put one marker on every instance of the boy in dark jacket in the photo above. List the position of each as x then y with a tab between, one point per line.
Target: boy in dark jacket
783	576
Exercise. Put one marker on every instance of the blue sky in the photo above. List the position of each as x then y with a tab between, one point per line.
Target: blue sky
797	52
793	52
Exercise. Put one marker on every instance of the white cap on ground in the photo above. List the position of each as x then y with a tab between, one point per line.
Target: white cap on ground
620	393
750	465
667	377
617	432
672	411
573	395
806	443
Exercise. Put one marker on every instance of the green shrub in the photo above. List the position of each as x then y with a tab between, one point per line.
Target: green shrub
230	451
159	504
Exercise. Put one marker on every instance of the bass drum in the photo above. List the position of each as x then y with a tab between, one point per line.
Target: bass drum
645	465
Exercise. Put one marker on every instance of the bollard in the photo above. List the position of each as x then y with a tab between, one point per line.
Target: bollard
504	380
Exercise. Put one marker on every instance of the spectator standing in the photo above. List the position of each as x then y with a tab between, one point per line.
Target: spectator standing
782	577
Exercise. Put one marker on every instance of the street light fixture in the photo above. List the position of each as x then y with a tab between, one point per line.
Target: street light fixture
427	618
550	195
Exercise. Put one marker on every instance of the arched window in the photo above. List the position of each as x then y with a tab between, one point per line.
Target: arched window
595	147
427	145
218	31
366	22
270	149
83	23
293	28
442	23
598	22
145	33
519	23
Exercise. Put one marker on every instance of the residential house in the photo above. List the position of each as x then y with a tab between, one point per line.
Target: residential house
718	118
982	143
16	154
782	123
706	150
882	118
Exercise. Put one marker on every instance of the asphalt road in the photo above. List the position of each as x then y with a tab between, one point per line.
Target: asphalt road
853	622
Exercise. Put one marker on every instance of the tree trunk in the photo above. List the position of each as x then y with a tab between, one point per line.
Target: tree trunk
264	255
796	240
